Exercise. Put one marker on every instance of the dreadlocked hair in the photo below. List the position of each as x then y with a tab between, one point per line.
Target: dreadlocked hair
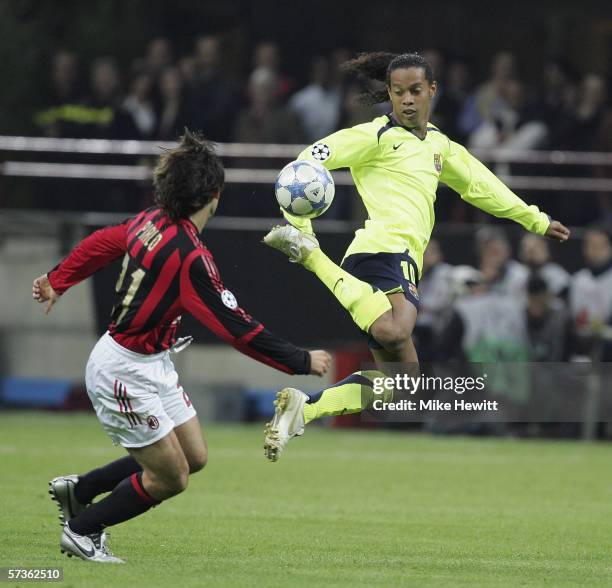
188	176
376	69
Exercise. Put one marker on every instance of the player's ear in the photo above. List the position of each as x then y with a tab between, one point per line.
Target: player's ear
433	88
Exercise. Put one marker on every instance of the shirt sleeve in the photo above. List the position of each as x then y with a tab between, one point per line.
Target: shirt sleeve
206	298
90	255
350	147
477	185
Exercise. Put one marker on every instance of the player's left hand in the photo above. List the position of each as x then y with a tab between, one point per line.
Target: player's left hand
43	292
557	231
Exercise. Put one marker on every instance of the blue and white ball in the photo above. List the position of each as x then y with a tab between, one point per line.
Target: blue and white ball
304	188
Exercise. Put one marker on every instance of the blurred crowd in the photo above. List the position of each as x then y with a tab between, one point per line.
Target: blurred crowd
525	309
158	94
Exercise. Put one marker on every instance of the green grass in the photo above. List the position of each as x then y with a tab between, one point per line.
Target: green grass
341	508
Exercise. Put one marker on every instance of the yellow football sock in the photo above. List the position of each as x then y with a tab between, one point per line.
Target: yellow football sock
347	396
363	303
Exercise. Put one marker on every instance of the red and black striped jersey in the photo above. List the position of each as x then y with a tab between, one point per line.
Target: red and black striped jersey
167	271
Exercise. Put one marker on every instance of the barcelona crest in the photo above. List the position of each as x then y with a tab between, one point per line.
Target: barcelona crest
437	162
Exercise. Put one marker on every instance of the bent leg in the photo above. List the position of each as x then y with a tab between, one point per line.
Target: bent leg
393	330
165	473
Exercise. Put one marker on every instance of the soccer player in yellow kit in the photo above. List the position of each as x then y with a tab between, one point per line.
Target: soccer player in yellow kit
397	161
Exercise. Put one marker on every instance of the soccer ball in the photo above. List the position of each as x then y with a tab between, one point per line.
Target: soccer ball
304	188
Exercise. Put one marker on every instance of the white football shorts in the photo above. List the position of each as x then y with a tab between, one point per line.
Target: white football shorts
137	397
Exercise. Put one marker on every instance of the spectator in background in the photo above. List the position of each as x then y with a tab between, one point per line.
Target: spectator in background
589	112
604	144
581	132
172	116
104	116
484	325
158	56
453	98
266	120
187	68
534	252
484	102
435	58
435	293
212	97
501	273
515	124
139	104
590	294
557	97
318	105
58	118
267	56
548	323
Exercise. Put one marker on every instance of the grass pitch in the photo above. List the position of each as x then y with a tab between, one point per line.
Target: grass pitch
341	508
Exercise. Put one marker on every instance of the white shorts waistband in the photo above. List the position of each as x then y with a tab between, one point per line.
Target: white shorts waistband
107	340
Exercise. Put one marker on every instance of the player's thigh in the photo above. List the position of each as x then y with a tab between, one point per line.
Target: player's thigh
193	444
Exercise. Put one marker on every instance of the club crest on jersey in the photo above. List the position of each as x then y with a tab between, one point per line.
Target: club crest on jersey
320	151
229	300
437	162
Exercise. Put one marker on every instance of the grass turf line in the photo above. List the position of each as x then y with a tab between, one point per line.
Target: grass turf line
341	508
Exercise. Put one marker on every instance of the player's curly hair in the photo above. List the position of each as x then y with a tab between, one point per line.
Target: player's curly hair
376	69
188	176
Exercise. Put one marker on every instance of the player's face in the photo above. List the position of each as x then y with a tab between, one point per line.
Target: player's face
410	95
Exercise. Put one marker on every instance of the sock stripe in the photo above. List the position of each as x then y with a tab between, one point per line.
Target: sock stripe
137	485
352	379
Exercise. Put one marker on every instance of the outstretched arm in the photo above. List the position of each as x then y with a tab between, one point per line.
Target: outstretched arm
91	254
206	298
477	185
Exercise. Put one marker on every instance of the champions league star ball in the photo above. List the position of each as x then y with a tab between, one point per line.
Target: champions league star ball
304	188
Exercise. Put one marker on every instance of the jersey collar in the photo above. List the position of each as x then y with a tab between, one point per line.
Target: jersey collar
394	124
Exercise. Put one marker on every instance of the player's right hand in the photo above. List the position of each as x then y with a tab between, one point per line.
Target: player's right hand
43	292
557	231
320	362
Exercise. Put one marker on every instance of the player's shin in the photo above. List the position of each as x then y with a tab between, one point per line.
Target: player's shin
105	478
128	500
350	395
364	304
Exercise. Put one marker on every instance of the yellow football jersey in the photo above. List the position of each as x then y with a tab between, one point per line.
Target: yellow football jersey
397	175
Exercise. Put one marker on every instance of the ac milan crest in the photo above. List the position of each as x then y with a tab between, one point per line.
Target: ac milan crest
152	422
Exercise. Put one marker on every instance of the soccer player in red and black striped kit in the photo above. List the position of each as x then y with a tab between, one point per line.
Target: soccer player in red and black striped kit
130	377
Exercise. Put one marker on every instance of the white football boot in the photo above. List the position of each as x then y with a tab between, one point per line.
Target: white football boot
87	547
294	243
288	421
61	490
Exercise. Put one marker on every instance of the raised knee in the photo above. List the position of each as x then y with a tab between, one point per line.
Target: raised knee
198	462
392	337
179	483
176	481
